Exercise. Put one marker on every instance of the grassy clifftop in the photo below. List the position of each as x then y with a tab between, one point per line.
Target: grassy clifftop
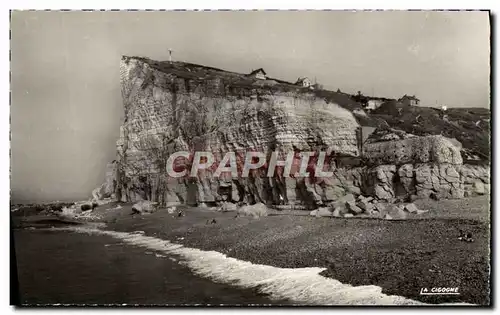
470	126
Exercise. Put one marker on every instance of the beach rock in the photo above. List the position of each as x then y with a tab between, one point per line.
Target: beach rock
341	200
421	211
366	199
365	205
387	217
145	206
228	207
337	212
351	207
348	215
396	212
411	208
374	213
322	212
381	207
256	210
348	198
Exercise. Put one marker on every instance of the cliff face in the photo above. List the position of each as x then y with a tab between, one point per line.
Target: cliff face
171	107
174	107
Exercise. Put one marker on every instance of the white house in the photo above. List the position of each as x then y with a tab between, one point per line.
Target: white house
258	74
373	104
304	82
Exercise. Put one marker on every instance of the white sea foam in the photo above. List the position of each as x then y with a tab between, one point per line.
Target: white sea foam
300	285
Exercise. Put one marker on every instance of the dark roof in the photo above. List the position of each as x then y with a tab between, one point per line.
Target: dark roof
383	99
281	81
409	97
256	71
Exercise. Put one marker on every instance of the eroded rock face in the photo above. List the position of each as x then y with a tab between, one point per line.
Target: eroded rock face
403	166
174	107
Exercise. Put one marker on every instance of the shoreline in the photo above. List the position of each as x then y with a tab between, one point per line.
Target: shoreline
399	256
102	270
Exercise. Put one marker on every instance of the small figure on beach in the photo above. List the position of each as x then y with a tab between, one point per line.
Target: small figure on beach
467	237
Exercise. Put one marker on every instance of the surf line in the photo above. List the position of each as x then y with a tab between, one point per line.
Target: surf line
299	285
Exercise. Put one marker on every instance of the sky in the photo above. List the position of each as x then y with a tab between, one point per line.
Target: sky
65	93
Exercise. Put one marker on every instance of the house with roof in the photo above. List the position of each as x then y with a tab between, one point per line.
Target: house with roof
304	82
409	100
374	103
258	74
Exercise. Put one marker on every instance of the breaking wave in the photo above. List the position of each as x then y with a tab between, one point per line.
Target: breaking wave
300	285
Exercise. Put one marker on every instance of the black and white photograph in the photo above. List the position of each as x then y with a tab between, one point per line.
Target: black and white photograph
251	158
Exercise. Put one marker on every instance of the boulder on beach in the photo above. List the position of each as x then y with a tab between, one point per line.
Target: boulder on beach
257	210
365	205
145	206
321	212
342	200
342	209
363	198
353	208
411	208
396	212
381	207
228	207
339	212
374	213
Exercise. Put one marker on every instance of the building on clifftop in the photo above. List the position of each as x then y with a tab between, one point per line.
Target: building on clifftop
409	100
304	82
258	74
